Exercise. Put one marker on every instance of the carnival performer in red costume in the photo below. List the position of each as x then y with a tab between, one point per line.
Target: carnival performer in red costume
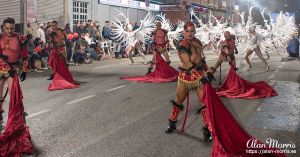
160	44
193	75
227	51
230	140
15	140
62	78
235	86
163	71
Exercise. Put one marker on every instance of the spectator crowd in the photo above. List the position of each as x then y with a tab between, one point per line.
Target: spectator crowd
87	43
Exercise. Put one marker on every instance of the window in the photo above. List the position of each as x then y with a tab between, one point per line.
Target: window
79	12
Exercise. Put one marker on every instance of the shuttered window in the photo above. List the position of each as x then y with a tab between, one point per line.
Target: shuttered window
10	8
49	10
80	11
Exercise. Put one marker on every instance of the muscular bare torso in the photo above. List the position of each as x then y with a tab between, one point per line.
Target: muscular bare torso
10	47
196	49
59	38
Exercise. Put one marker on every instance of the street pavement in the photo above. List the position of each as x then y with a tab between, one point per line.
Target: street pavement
109	117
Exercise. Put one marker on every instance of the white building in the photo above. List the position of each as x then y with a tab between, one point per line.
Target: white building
70	11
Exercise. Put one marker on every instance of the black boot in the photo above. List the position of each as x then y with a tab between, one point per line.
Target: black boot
207	135
51	77
171	127
149	71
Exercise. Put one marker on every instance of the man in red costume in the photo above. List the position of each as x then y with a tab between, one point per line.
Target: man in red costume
160	45
235	86
13	46
227	51
230	139
194	74
163	72
15	139
57	44
62	78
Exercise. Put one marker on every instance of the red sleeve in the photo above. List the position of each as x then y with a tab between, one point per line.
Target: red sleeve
23	53
23	48
0	45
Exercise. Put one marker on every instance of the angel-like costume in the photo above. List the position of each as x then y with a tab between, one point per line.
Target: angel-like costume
134	44
253	46
133	38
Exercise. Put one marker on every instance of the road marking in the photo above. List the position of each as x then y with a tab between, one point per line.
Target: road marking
38	113
116	88
283	63
272	82
258	109
102	67
78	100
271	77
280	66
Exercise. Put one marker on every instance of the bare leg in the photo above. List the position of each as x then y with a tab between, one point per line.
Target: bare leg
248	53
9	83
153	59
199	93
2	82
218	64
258	52
138	48
181	94
143	56
152	62
268	56
130	54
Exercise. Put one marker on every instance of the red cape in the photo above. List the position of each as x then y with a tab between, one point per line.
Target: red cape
59	83
163	73
63	79
230	139
236	87
15	140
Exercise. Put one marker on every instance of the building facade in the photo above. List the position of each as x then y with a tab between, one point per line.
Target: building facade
14	9
179	10
70	11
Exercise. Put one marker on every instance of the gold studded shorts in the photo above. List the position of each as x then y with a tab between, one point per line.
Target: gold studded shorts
192	80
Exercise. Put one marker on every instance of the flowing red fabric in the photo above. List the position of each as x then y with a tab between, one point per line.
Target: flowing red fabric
237	87
63	79
15	140
163	73
59	83
230	139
